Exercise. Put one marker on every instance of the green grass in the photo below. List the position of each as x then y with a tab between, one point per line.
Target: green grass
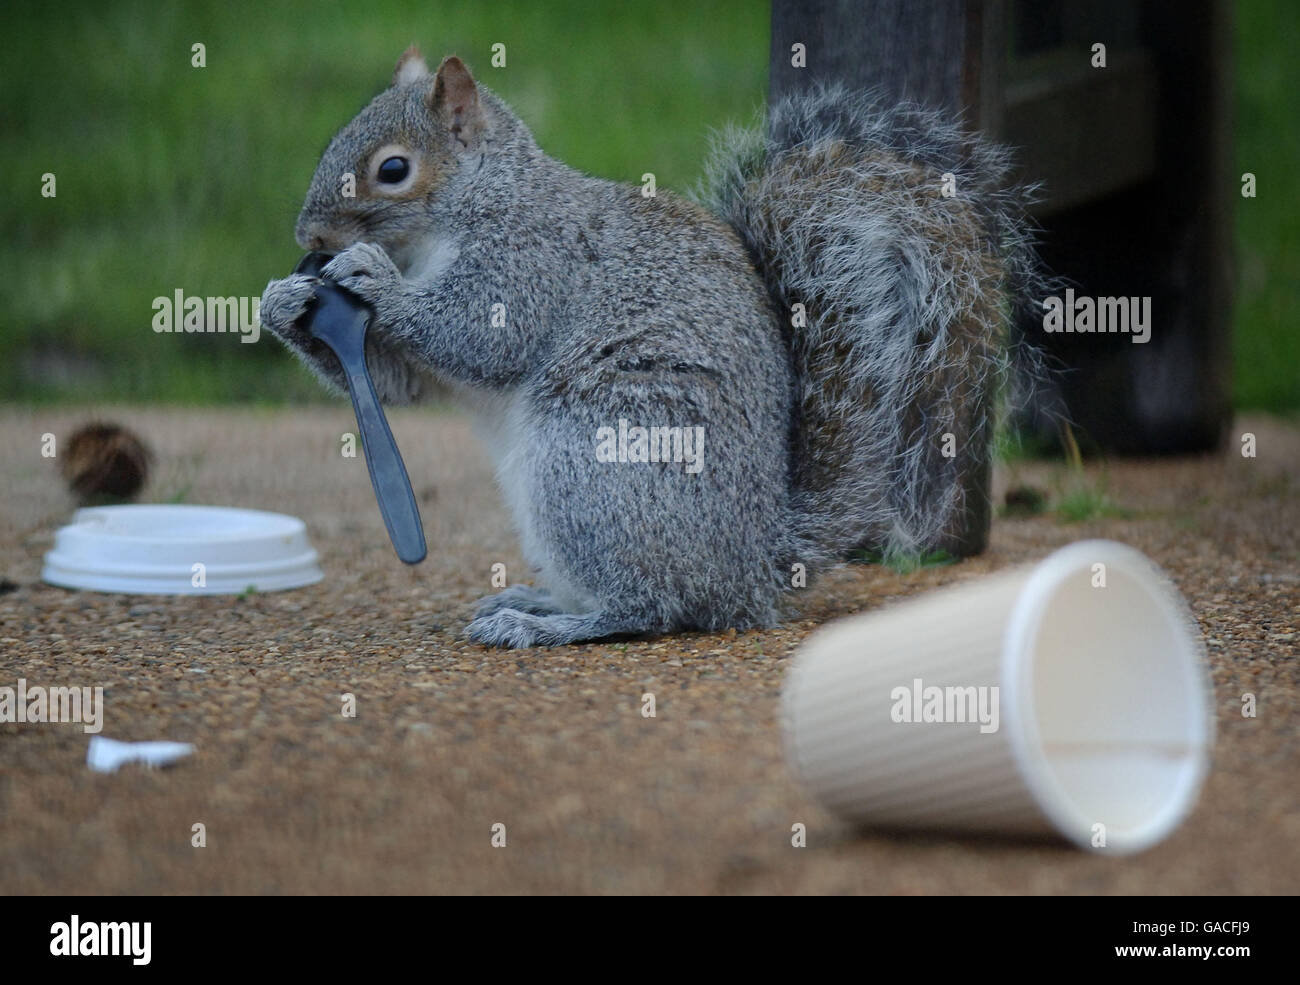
1266	342
902	564
175	177
1084	502
1075	496
170	176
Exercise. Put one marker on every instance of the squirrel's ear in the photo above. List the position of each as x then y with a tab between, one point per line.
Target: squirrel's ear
411	67
455	98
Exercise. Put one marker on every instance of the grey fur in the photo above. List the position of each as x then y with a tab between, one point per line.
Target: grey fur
923	321
648	310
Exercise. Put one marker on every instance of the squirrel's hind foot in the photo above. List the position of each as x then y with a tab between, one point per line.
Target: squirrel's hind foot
510	628
534	601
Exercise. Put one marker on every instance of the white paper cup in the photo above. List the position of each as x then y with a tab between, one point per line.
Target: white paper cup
1103	727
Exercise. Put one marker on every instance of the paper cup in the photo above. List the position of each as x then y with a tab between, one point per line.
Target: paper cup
1070	698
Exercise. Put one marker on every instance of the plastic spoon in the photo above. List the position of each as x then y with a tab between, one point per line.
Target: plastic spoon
340	320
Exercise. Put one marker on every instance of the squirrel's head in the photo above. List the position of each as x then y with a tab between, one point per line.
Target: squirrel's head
376	179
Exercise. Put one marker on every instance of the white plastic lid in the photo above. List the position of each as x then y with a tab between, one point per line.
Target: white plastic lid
181	550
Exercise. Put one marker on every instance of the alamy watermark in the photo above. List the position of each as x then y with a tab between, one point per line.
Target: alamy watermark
948	705
102	939
642	445
195	314
84	705
1085	314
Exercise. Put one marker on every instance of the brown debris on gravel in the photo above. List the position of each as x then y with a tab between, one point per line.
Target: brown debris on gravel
451	738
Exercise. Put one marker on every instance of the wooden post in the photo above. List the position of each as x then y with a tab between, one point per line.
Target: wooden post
1139	189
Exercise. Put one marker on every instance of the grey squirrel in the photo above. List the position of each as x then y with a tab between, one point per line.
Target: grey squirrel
826	335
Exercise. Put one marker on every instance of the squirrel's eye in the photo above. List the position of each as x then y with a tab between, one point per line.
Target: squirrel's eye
394	170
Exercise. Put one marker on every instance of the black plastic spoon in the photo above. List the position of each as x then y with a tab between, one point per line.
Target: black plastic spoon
340	320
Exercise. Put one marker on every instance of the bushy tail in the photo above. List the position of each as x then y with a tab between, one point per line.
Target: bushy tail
909	252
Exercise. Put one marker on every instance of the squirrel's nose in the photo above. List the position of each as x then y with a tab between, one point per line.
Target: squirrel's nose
309	236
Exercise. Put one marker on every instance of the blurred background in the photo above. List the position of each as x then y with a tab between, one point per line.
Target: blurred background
174	177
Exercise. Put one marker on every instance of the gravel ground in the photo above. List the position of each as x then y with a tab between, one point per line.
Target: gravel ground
450	738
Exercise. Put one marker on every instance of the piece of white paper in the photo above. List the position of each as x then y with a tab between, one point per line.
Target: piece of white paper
106	755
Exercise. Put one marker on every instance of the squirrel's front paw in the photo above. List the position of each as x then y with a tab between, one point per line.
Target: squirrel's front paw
366	271
283	304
